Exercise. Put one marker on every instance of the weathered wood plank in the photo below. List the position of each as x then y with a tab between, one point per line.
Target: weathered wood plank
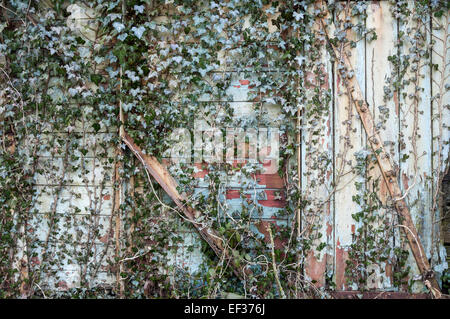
83	171
421	192
388	173
385	113
317	171
415	137
74	199
349	139
440	73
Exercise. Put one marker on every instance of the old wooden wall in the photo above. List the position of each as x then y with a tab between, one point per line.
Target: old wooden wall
409	125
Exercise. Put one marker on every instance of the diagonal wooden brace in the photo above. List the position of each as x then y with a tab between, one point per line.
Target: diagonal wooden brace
386	168
168	183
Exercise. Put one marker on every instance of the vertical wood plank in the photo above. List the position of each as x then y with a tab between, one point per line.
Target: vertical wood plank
385	114
440	56
348	141
415	136
317	172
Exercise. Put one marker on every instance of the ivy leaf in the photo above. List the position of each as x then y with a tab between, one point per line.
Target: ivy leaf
300	59
122	37
139	9
118	26
177	59
127	106
112	5
132	75
298	16
96	127
138	32
439	14
321	246
73	91
96	78
84	52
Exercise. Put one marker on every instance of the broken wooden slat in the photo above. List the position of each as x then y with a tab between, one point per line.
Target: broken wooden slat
168	183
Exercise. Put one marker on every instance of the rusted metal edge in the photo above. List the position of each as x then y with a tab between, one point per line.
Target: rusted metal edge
386	168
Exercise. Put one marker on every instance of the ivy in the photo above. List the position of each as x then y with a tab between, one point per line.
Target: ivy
74	72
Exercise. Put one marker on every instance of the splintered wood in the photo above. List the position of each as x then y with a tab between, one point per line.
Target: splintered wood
168	183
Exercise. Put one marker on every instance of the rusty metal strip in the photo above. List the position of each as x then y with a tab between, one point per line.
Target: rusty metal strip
387	169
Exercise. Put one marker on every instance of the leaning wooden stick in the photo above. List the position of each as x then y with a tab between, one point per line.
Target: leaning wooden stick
168	183
387	170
